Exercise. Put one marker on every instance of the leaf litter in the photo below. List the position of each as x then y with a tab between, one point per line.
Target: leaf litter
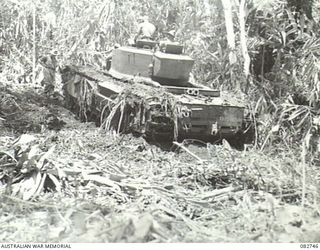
73	182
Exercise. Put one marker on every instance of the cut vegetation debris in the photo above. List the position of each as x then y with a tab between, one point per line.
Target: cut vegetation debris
62	180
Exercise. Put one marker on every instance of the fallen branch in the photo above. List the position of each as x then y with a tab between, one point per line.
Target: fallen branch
178	215
102	180
218	192
8	165
36	204
188	151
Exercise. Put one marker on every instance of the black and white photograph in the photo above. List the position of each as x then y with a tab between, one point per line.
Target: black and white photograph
159	121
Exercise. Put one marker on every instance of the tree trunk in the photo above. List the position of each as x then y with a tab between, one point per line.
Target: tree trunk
227	7
34	45
243	39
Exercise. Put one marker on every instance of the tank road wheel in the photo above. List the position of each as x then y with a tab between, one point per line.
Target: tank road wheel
160	129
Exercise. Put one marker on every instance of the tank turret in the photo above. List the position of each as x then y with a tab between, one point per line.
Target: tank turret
167	66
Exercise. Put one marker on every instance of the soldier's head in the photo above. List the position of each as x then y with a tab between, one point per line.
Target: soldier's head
170	35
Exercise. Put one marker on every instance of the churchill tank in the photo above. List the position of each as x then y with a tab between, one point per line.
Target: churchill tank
147	89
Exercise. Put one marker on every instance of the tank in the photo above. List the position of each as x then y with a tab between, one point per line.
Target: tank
146	89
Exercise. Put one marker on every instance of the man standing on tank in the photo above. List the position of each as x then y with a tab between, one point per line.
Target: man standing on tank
146	30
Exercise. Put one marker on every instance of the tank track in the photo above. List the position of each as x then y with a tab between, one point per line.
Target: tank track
159	126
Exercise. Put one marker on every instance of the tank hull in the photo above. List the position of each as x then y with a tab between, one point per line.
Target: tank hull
161	113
